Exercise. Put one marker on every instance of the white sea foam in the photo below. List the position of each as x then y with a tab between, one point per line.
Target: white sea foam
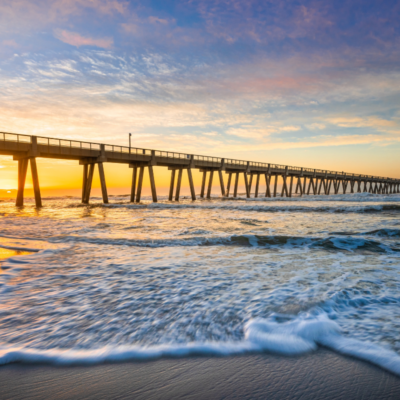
297	337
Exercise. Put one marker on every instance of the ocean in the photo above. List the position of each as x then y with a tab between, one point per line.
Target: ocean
118	282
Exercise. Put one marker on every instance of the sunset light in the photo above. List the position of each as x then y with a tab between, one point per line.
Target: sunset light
200	199
286	85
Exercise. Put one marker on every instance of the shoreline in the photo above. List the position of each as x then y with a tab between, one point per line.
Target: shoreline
320	375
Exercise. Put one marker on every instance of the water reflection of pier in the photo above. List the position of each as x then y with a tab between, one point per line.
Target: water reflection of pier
25	149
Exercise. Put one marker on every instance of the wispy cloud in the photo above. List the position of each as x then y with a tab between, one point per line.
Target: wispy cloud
77	40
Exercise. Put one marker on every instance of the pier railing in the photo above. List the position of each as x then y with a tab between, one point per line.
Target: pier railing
77	144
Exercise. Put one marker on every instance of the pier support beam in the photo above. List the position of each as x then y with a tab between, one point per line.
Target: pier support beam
328	187
87	181
140	185
344	186
236	184
88	186
22	170
192	192
246	183
320	186
137	181
172	183
299	186
210	180
171	186
228	187
35	181
203	184
268	185
257	185
221	183
284	187
84	181
152	184
103	183
335	186
178	184
133	187
275	184
311	183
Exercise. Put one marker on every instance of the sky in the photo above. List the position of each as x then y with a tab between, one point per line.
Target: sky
307	83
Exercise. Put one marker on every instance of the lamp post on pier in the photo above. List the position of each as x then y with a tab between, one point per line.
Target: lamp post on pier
130	135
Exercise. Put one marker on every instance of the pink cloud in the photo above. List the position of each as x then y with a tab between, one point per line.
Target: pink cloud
156	20
75	39
10	43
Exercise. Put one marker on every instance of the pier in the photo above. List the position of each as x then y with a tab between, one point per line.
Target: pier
296	180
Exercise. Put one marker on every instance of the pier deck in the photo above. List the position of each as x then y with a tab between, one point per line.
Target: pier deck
26	148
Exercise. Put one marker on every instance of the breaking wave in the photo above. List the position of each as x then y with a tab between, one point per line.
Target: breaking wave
300	336
249	206
332	243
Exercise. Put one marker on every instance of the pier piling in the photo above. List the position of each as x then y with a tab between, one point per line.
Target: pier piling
152	184
192	192
103	183
133	187
203	184
257	185
178	184
267	185
275	184
140	185
210	180
221	183
246	183
236	185
35	181
84	182
171	186
228	187
22	170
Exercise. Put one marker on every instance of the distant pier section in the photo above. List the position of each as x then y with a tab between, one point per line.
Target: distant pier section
302	181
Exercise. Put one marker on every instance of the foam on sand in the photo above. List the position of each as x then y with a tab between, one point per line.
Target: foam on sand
297	337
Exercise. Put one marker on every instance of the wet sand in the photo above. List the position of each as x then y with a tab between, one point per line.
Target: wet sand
321	375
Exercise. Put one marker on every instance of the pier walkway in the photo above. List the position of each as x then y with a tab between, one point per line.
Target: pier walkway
25	149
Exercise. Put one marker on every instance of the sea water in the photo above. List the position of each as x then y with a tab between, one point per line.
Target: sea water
216	277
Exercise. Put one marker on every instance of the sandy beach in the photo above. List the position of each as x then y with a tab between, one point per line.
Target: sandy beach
321	375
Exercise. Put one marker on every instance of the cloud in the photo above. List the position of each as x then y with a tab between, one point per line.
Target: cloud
251	132
376	123
316	126
156	20
10	43
75	39
290	128
26	15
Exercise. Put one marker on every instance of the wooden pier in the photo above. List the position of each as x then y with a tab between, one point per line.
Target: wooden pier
25	149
